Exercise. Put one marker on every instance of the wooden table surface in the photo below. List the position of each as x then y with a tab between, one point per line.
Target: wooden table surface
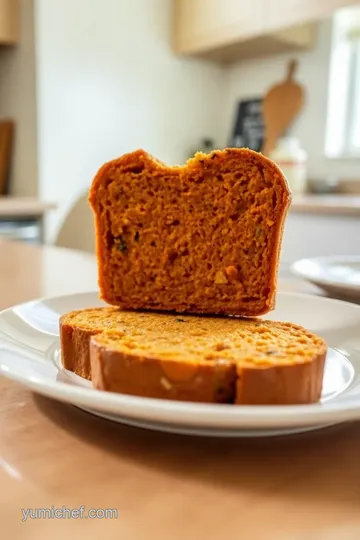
164	487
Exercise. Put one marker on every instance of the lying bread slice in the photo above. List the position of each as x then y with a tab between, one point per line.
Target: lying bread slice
202	238
212	360
206	359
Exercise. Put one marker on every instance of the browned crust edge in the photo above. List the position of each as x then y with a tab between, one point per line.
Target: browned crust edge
75	347
295	384
114	371
153	163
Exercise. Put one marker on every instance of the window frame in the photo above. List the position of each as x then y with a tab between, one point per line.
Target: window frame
343	109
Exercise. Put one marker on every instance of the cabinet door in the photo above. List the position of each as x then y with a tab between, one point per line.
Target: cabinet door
9	21
204	24
280	14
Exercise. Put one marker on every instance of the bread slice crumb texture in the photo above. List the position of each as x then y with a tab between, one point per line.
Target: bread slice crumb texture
252	343
202	238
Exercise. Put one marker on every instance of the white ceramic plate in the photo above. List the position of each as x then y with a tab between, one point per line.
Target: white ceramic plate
339	276
29	354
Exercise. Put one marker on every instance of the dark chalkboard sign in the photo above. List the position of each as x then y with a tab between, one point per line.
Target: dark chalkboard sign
249	126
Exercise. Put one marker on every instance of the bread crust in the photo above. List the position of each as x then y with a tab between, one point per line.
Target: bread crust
75	349
75	337
152	298
144	376
295	384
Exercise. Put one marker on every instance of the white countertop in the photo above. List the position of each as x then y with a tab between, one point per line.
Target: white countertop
326	204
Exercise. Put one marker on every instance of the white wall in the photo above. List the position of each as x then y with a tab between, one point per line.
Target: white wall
253	78
18	101
108	83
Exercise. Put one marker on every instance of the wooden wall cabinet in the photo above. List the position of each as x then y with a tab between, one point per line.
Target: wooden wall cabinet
228	30
9	22
201	25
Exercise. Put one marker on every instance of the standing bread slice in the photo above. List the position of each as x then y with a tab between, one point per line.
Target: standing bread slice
201	238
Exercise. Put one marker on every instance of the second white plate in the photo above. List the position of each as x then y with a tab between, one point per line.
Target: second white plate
339	276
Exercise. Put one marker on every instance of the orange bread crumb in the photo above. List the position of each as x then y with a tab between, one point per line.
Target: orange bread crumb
202	238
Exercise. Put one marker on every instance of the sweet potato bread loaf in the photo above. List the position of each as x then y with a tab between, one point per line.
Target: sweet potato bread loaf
201	238
187	358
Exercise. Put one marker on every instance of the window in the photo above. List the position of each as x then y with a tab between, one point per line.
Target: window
343	126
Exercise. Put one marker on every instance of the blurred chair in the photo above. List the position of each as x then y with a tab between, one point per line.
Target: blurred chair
77	230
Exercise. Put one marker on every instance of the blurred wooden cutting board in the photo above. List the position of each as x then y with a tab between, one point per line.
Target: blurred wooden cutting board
6	144
281	106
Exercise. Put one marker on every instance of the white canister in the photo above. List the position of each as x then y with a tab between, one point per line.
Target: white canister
292	160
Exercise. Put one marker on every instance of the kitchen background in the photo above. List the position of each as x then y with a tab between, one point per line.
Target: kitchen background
83	82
